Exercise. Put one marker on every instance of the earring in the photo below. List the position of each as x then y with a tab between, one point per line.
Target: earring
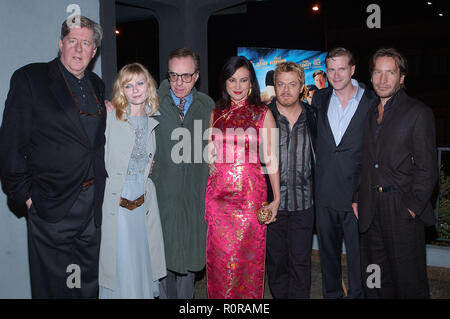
249	91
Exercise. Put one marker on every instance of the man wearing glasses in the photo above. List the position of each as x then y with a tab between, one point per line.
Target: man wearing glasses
52	140
180	174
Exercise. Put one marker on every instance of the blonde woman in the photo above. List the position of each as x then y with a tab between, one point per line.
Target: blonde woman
132	250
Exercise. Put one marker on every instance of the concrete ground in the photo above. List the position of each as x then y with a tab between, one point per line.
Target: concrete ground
438	278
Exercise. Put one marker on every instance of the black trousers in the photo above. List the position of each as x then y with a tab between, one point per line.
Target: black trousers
289	244
332	227
396	243
65	254
177	286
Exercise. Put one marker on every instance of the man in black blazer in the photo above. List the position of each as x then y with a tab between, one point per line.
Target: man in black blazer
398	175
342	109
52	140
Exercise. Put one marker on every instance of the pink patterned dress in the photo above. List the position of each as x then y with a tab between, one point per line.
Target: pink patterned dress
236	242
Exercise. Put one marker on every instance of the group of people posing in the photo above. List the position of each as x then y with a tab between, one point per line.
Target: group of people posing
105	192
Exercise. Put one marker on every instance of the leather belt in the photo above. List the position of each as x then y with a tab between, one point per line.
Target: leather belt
387	189
131	204
88	183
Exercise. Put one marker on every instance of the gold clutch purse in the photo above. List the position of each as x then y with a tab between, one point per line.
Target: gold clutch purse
263	214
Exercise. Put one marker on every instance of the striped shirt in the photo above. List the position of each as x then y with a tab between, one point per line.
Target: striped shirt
295	163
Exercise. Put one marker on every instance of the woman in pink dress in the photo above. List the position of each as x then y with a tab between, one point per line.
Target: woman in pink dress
236	242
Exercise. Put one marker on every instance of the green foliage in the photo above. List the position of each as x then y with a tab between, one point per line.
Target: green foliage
444	206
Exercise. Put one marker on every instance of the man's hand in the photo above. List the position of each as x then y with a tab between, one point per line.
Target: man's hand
109	106
28	203
355	209
151	169
412	213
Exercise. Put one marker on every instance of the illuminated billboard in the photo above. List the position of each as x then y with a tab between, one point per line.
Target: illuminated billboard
265	61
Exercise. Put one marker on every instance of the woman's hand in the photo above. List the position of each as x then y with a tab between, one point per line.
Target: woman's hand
109	106
212	169
355	210
273	207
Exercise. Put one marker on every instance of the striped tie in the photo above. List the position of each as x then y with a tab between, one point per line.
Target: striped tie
181	107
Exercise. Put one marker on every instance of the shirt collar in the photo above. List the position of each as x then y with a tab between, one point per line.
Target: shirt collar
359	91
147	108
389	103
273	107
177	99
72	78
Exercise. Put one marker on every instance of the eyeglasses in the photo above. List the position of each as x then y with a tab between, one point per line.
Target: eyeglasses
185	77
82	113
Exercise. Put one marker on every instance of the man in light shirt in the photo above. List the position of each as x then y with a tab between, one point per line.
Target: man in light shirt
342	108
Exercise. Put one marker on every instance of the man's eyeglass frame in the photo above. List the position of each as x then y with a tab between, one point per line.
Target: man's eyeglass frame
173	76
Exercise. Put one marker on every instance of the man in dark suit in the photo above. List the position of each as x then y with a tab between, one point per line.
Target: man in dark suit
398	175
52	140
342	109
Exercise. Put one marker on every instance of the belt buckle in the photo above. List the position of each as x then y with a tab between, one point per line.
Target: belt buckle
380	188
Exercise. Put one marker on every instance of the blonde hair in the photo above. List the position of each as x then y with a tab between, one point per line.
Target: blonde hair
292	67
124	76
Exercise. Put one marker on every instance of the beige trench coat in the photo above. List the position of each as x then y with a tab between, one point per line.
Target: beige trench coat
119	145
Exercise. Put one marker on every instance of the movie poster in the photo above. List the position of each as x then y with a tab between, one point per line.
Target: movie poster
265	61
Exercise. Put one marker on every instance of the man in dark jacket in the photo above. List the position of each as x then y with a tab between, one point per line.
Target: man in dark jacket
342	109
398	175
289	239
53	141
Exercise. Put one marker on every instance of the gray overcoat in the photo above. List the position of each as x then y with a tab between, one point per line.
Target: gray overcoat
181	185
119	146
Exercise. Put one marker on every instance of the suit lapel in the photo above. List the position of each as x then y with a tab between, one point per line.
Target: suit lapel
396	108
170	109
326	123
371	122
65	100
99	137
152	123
360	113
